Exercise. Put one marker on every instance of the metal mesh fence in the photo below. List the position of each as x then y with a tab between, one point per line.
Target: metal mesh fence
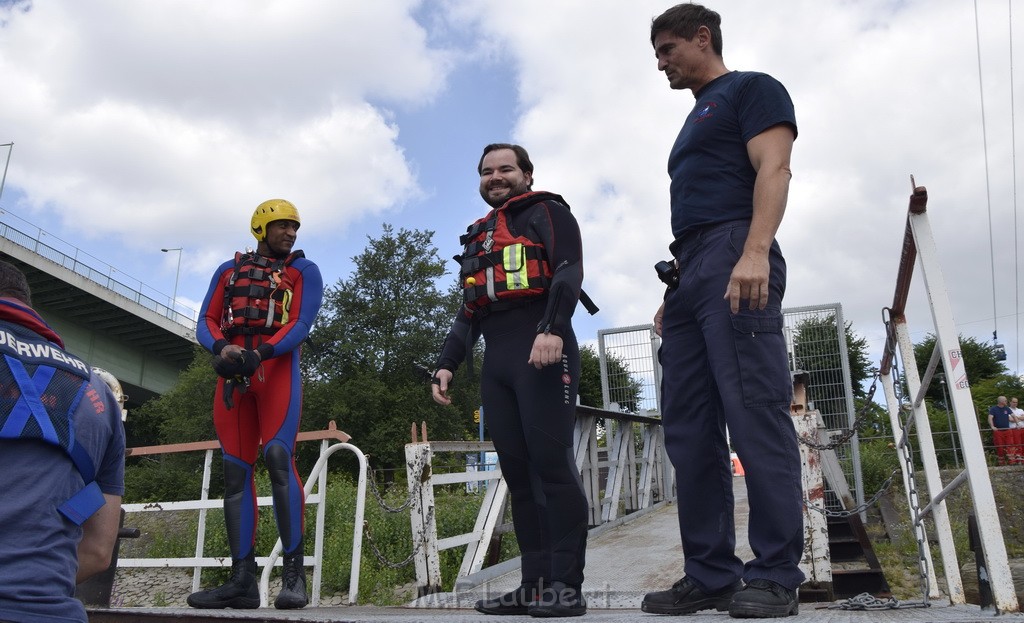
816	343
630	376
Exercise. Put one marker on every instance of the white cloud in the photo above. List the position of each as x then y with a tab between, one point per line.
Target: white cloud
131	118
883	90
134	117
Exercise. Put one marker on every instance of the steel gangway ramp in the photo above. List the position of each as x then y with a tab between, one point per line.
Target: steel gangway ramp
625	559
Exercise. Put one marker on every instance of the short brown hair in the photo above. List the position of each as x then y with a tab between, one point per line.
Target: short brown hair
522	158
13	283
683	20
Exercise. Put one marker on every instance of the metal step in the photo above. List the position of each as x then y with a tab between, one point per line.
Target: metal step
848	542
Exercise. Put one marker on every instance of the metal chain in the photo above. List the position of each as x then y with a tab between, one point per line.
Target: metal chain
417	546
867	601
859	508
380	498
847	433
912	498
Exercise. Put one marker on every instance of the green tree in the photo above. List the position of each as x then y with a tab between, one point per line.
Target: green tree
378	333
987	378
979	360
182	414
625	389
816	351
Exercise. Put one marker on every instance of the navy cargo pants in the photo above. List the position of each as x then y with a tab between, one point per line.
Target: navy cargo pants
722	369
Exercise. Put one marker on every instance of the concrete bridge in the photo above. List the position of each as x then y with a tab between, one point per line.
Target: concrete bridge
112	321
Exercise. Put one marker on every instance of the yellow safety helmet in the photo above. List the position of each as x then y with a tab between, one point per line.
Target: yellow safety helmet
270	211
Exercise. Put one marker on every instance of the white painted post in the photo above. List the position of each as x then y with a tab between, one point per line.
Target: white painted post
989	528
632	496
647	467
318	537
926	452
920	530
488	517
616	468
816	562
421	513
201	529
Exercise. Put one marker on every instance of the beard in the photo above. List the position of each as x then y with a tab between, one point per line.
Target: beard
496	201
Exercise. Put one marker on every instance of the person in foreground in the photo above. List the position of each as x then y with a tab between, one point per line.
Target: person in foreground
723	352
257	313
62	456
522	273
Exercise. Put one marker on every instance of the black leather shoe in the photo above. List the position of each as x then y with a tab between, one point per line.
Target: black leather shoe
685	597
514	602
764	599
559	600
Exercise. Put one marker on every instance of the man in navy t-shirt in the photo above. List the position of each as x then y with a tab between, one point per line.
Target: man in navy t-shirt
999	416
723	352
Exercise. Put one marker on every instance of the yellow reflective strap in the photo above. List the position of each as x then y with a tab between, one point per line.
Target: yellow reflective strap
286	305
514	259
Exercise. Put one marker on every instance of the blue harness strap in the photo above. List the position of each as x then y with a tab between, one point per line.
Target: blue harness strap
29	418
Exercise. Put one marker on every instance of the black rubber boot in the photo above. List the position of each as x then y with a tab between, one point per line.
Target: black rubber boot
240	591
293	583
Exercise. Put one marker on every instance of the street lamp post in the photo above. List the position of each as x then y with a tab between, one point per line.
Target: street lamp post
177	272
10	148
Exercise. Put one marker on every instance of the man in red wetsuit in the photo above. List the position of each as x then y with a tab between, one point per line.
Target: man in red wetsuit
259	309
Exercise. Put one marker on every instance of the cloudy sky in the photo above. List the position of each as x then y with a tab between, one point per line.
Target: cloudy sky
142	125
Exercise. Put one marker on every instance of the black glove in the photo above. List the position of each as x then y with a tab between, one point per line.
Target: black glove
228	367
230	385
249	362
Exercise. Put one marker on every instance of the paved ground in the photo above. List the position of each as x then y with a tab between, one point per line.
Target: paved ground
624	561
368	614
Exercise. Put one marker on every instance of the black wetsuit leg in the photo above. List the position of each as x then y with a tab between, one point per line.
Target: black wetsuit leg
530	414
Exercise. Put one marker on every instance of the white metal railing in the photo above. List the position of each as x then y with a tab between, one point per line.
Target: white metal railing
72	258
635	480
317	478
919	244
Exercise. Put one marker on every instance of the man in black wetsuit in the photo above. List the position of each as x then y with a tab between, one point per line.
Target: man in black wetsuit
522	272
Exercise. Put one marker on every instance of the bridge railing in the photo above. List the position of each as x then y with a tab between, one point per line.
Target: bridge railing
621	458
81	263
317	478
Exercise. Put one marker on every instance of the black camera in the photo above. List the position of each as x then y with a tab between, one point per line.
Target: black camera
668	273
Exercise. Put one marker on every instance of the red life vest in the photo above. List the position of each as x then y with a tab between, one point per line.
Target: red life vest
498	266
258	296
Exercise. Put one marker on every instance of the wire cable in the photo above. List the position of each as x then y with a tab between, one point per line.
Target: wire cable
1013	160
988	189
